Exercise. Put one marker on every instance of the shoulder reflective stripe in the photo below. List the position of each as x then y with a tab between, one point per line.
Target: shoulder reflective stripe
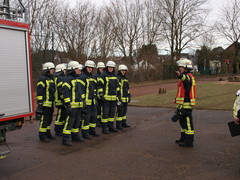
101	80
40	83
111	77
66	84
82	82
183	78
59	84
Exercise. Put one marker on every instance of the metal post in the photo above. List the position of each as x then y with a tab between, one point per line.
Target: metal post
52	47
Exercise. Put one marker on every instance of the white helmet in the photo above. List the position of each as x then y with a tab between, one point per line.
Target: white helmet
184	62
122	67
72	65
111	64
48	65
90	63
100	65
60	67
80	66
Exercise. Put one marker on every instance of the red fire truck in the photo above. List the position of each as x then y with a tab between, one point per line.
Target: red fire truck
16	89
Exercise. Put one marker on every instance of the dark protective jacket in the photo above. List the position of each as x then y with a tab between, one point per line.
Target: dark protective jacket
58	79
73	90
90	85
46	90
108	86
124	88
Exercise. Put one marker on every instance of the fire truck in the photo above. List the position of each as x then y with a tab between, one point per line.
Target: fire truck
16	89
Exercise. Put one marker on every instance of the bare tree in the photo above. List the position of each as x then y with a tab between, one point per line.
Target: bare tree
228	27
183	23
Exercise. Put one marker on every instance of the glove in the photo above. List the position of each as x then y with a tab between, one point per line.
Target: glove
68	108
119	103
39	112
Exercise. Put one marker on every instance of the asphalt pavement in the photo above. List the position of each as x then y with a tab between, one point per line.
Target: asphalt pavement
146	151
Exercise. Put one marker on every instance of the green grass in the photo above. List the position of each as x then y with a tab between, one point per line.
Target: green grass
209	96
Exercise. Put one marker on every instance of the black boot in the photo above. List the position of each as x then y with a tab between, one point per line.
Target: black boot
58	130
85	134
111	128
124	124
43	137
49	135
181	138
92	132
119	125
188	141
66	140
104	128
76	137
98	124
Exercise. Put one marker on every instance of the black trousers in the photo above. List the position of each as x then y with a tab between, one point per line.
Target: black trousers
187	128
46	119
72	122
122	111
109	109
89	118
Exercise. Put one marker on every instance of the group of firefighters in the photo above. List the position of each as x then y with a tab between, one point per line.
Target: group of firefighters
83	100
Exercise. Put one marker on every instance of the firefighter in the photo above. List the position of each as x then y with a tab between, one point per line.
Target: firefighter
89	122
185	100
236	108
125	98
100	69
61	113
108	92
45	101
73	95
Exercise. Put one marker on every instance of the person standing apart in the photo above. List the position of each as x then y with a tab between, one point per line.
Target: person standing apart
45	101
186	100
121	120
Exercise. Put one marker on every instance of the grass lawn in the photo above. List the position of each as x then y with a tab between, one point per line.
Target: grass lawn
209	96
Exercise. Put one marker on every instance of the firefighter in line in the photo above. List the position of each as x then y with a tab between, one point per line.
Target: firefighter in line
236	108
45	101
108	92
73	95
59	103
186	100
90	83
125	98
100	70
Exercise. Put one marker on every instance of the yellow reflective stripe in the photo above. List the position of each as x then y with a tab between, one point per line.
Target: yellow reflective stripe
183	78
124	117
66	100
66	84
119	119
39	97
84	127
104	120
183	130
59	84
83	83
235	107
101	80
189	129
92	125
187	105
75	130
65	131
189	132
40	83
111	119
47	103
111	77
110	98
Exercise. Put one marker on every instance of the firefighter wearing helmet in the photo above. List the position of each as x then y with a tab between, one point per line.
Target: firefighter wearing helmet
45	101
61	113
89	116
73	97
185	100
121	118
108	89
100	70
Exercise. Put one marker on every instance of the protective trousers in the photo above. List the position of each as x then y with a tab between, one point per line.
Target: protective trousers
121	113
71	127
60	120
99	110
109	108
45	122
187	129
